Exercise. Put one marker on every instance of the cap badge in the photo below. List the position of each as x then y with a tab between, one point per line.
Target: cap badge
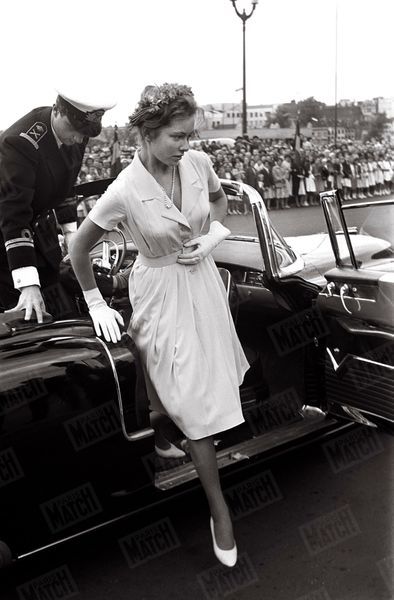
94	116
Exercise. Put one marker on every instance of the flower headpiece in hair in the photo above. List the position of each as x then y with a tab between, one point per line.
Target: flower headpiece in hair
155	97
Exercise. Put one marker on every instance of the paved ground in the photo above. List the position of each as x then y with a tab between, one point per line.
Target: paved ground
312	525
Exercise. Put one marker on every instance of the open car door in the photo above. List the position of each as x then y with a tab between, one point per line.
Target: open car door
357	305
292	337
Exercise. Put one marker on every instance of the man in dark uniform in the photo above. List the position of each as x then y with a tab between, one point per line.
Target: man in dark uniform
40	157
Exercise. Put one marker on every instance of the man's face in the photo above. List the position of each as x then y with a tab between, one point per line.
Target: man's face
65	131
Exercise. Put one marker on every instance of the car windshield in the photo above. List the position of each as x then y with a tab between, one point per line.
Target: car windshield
371	233
373	247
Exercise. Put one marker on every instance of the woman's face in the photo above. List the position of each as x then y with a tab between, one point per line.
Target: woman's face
172	141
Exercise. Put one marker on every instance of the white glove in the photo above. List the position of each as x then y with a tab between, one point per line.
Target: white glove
106	320
205	244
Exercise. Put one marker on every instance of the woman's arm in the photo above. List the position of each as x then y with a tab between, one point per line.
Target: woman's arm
217	231
87	235
218	205
106	320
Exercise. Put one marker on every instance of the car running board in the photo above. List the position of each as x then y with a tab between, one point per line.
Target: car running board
182	473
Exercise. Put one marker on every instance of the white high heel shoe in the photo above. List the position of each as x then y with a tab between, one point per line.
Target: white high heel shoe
226	557
171	452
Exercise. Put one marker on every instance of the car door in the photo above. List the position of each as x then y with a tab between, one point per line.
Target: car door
287	328
357	305
64	455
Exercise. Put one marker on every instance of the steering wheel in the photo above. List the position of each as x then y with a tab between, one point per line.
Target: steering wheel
112	264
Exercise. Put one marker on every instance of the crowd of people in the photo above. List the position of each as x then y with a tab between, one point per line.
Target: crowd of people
284	177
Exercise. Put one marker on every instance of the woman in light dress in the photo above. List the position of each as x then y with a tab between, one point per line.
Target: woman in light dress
387	174
181	321
379	179
310	185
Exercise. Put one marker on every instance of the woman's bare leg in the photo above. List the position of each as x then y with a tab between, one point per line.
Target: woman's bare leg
204	458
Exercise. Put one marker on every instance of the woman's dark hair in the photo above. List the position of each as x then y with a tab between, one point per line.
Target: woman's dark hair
159	105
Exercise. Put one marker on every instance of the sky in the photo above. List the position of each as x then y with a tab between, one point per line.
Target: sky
111	49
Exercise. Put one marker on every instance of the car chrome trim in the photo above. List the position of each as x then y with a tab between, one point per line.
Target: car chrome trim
358	359
365	330
268	233
136	435
356	298
227	283
357	415
327	199
334	363
368	412
366	204
94	528
371	362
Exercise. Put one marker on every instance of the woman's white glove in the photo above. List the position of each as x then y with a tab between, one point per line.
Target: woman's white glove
106	320
205	244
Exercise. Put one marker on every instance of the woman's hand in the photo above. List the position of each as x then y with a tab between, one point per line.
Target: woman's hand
205	244
106	322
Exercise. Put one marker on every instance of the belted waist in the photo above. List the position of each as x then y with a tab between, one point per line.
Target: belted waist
158	261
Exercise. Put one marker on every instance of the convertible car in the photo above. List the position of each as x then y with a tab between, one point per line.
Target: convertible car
76	446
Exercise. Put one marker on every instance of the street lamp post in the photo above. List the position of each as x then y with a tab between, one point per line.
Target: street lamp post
244	17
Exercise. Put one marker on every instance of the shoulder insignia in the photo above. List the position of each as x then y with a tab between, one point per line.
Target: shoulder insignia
35	133
25	240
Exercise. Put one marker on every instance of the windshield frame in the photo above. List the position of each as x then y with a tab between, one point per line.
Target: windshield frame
332	205
268	236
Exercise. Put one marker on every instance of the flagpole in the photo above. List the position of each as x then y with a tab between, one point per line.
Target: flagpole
116	164
297	137
336	76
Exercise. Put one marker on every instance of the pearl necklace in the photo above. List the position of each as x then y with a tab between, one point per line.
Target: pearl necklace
169	200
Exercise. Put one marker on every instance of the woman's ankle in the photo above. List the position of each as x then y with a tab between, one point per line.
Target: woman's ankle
220	512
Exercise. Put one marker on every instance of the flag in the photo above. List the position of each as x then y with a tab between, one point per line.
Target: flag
297	139
116	165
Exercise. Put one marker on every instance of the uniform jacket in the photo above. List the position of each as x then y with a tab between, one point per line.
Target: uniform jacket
35	177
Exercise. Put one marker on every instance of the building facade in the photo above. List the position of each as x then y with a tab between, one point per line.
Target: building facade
326	135
229	115
350	117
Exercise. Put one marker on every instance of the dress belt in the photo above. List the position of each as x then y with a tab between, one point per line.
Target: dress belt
158	261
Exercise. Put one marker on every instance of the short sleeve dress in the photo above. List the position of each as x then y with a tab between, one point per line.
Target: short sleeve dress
181	322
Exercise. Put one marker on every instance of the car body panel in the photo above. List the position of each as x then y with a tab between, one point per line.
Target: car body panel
358	304
60	433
